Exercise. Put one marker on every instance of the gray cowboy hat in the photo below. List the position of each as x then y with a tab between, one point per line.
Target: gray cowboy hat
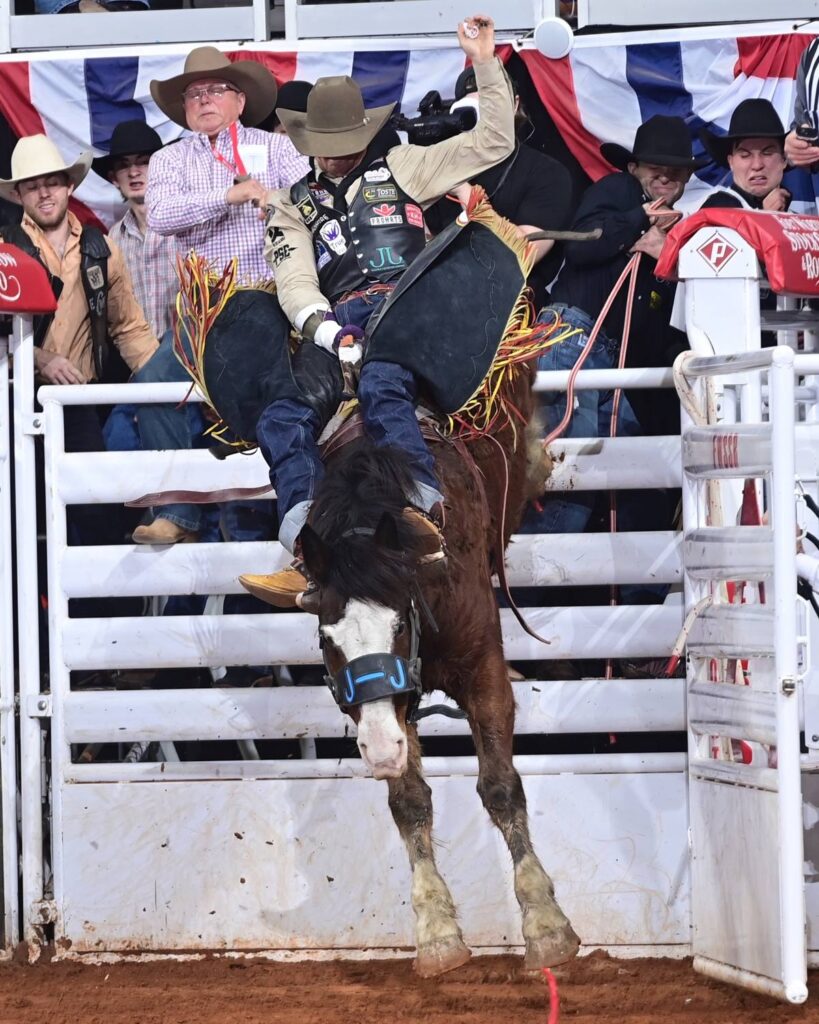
661	140
36	156
336	123
249	76
752	119
129	138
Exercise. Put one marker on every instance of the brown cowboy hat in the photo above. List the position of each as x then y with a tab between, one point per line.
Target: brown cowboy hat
249	76
336	123
36	156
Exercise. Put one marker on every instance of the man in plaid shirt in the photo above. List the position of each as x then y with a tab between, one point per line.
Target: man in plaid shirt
205	191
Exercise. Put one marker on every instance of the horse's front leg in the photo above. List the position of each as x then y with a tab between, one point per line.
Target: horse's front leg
547	932
439	942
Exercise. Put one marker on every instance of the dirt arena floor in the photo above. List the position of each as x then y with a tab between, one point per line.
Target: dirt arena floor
489	990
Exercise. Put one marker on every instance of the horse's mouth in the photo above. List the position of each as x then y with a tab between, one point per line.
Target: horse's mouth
388	771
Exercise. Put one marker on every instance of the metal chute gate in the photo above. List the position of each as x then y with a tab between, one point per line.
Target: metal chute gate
168	855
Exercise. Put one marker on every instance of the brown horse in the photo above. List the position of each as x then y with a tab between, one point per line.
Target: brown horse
379	612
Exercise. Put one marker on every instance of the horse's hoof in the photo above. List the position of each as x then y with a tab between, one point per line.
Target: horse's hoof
440	957
551	950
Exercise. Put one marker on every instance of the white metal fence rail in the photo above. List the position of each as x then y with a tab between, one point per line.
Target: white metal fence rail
8	740
88	800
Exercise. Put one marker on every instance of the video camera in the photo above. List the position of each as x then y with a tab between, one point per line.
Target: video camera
435	122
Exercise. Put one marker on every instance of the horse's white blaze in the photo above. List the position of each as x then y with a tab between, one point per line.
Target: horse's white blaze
367	628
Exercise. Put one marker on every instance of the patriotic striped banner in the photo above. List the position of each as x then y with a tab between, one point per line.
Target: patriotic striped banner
597	94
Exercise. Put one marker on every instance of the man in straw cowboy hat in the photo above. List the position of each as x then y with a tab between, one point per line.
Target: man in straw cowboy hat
338	241
754	150
98	331
96	302
205	191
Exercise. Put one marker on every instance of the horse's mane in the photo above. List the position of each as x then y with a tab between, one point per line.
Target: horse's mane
363	485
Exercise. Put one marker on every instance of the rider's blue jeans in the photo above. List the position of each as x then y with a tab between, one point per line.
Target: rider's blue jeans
288	431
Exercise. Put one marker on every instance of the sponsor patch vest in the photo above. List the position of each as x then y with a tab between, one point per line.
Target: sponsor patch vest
374	241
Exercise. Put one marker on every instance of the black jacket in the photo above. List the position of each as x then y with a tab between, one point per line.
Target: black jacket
526	188
615	204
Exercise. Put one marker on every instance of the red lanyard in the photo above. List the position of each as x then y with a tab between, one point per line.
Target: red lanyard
237	167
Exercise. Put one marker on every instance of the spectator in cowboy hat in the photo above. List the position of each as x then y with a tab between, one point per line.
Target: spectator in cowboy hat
98	323
754	150
633	208
292	96
204	191
151	258
42	183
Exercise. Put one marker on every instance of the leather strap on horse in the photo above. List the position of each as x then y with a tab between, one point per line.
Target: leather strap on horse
501	564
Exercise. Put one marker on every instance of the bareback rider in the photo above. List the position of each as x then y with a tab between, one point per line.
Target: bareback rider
338	241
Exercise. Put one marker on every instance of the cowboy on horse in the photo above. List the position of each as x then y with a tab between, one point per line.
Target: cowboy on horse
338	241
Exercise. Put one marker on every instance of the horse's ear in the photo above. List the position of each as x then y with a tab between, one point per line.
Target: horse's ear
386	533
316	554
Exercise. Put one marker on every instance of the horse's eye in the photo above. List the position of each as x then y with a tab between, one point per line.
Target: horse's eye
402	628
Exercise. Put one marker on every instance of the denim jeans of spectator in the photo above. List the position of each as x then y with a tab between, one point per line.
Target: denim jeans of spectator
169	427
288	431
591	417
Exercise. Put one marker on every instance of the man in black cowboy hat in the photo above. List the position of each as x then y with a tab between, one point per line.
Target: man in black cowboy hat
150	258
754	151
634	209
338	242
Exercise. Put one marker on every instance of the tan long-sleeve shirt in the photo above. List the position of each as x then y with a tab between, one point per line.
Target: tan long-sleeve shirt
69	334
425	173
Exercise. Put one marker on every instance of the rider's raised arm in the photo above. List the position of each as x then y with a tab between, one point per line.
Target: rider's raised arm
288	250
428	172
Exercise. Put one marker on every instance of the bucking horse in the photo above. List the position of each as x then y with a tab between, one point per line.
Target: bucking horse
392	628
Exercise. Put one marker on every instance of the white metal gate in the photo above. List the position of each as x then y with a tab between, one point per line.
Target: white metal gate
269	854
748	899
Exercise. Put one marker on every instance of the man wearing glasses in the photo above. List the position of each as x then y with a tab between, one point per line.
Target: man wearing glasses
205	191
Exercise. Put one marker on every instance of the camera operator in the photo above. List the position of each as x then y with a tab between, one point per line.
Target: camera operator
529	188
802	142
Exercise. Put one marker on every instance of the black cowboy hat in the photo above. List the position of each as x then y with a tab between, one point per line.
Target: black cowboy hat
293	96
661	140
128	138
752	119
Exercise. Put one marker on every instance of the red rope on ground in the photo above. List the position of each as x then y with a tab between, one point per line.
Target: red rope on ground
554	999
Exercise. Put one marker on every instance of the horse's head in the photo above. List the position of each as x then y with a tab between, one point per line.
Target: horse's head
369	634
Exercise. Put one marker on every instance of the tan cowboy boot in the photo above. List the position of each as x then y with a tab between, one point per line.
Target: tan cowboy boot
163	531
286	588
426	527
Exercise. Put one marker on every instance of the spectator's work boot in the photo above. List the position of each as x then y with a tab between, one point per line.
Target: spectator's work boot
287	588
163	531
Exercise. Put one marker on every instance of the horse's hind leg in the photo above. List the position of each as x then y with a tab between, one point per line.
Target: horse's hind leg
548	934
439	943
